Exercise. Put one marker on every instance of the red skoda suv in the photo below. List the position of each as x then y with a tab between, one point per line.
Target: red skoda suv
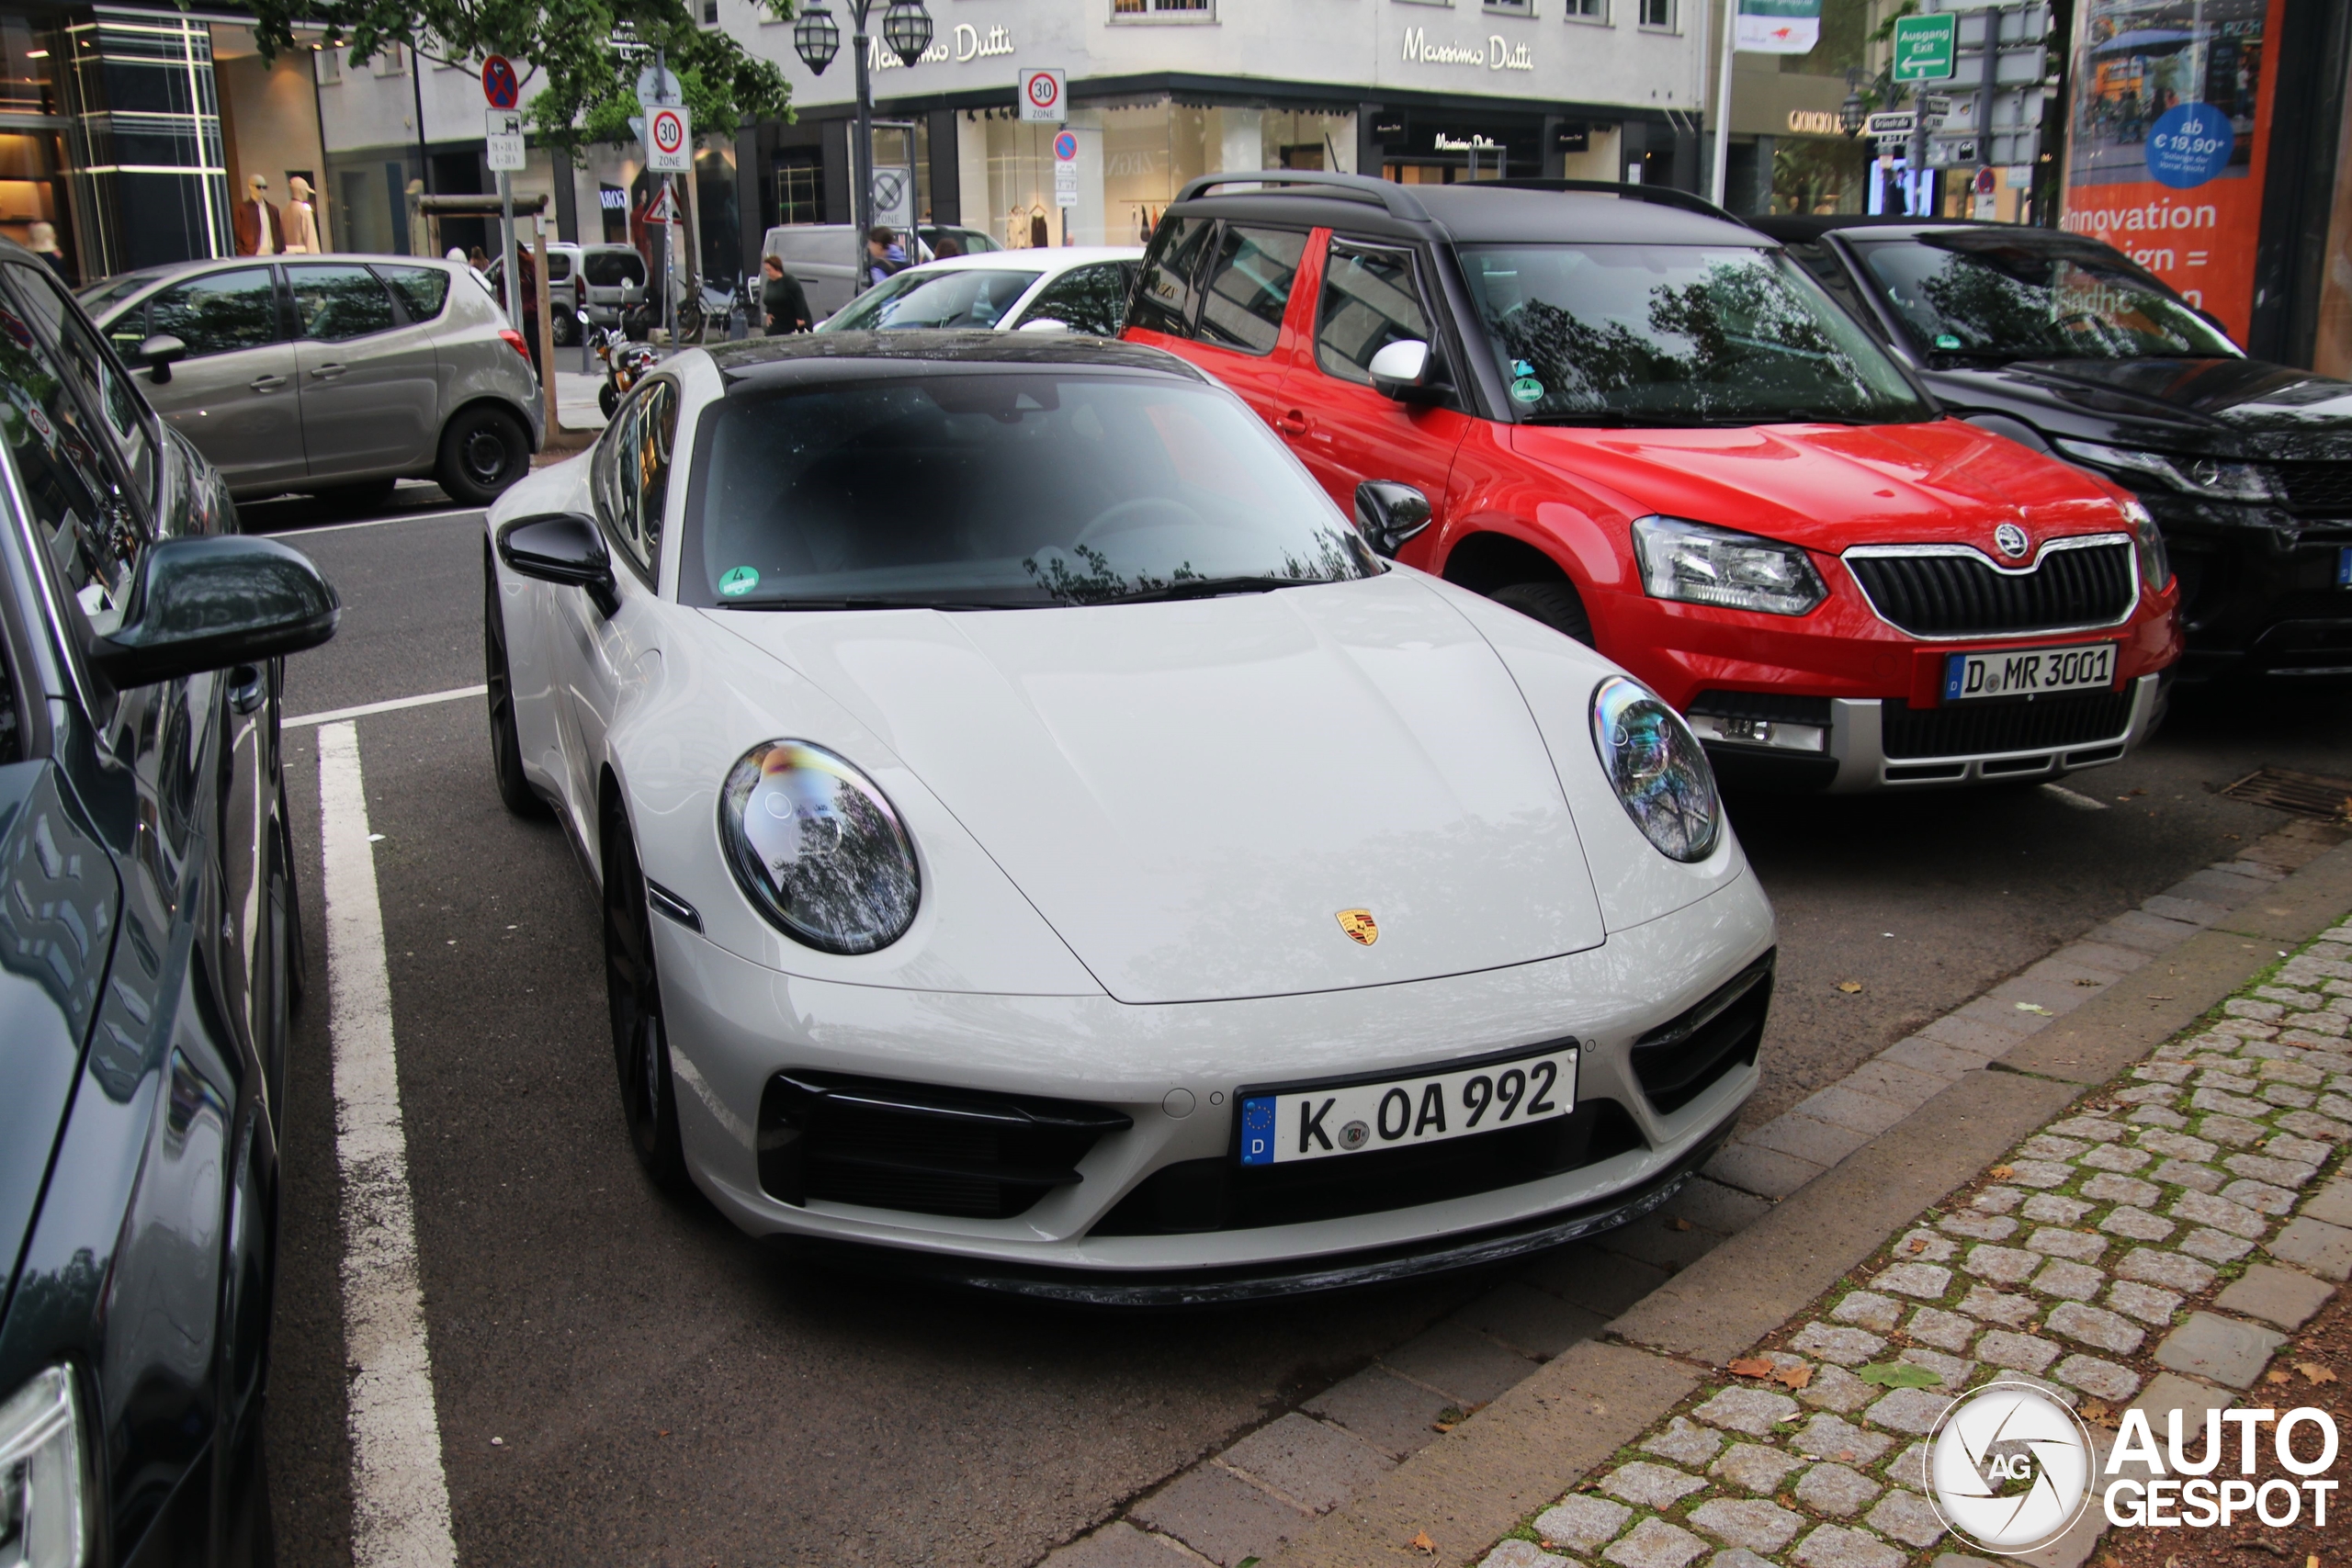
1638	422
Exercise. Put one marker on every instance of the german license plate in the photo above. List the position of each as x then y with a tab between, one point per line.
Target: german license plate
2343	567
2029	672
1279	1126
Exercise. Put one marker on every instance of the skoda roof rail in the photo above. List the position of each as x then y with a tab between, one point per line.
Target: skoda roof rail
1348	188
1664	196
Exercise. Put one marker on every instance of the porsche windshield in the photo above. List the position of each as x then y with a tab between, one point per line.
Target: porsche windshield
1676	335
1988	296
980	490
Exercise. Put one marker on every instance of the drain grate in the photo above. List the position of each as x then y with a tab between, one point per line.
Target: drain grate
2305	794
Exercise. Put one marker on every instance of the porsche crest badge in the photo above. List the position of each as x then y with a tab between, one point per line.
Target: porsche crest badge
1359	926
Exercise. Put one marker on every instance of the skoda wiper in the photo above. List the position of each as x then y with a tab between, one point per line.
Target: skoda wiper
1615	419
1202	588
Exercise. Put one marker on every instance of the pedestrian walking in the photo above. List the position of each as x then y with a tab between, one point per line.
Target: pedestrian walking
784	304
885	257
528	271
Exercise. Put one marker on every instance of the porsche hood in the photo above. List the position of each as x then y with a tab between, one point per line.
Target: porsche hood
1307	790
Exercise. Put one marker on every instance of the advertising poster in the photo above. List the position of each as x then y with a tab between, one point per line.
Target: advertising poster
2168	139
1779	27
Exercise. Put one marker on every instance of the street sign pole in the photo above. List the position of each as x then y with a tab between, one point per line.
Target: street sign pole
501	90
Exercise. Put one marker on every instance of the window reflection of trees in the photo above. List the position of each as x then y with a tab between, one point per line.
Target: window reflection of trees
219	315
1737	342
2065	312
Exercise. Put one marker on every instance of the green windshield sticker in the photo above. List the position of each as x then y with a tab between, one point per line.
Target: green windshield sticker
1527	390
739	580
1945	340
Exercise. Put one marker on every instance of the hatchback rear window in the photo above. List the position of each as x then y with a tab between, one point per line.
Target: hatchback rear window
610	269
423	290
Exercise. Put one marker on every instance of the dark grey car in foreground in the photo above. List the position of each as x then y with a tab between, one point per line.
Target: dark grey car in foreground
334	375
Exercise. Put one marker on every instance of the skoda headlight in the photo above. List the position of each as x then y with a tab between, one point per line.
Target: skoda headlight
2155	562
1658	770
817	847
1702	565
43	1507
2207	477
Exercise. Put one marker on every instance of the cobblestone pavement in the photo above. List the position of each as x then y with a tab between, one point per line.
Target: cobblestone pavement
2151	1246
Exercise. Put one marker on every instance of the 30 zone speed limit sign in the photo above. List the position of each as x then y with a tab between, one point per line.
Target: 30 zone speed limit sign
669	141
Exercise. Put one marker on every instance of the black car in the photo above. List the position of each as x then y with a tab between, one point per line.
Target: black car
148	962
2069	346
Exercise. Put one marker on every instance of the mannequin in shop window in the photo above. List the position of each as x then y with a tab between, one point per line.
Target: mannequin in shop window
261	228
302	219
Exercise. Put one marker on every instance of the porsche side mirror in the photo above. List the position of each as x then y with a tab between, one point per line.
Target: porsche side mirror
1042	324
562	548
211	603
1389	513
158	354
1401	369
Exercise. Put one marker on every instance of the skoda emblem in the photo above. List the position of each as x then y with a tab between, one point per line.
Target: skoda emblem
1359	926
2011	538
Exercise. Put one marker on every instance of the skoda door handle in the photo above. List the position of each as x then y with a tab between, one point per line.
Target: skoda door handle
1293	422
327	372
266	383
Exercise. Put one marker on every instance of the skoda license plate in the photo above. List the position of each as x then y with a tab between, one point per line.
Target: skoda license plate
2029	672
1279	1126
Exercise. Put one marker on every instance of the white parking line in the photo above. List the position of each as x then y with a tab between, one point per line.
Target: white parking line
337	715
399	1513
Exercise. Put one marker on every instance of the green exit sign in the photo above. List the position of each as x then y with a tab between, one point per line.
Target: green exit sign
1923	47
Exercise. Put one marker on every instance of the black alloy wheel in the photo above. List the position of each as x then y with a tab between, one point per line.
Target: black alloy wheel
640	1046
1554	604
506	741
483	451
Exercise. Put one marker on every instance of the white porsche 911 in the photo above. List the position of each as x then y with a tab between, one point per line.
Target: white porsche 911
1042	839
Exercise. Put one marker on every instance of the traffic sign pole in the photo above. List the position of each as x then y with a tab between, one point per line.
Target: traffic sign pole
502	89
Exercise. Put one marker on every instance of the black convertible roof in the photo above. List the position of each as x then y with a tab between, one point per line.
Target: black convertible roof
761	363
1483	211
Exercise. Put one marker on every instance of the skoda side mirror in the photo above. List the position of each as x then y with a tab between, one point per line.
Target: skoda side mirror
158	354
215	602
1401	369
1388	513
562	548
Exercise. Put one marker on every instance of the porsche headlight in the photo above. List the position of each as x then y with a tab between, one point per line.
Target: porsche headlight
1658	770
2207	477
817	849
2156	561
1704	565
43	1509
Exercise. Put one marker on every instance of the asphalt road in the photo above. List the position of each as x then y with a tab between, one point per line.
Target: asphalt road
620	1378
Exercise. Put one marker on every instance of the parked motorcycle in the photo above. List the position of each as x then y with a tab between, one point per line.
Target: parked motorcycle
625	365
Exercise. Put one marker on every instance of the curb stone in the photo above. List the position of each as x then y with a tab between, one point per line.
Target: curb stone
1494	1412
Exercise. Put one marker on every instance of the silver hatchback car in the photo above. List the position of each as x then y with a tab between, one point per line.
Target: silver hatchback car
334	375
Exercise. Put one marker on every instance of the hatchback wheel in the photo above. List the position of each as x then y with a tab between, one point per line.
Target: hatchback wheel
483	450
641	1044
1554	604
506	741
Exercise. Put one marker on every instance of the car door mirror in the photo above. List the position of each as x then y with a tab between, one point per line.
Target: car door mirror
158	354
208	603
1043	325
1389	513
1401	369
562	548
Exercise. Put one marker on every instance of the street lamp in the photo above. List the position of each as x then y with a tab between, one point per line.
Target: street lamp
905	28
1850	113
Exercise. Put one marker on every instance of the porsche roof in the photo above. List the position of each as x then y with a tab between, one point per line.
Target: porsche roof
813	356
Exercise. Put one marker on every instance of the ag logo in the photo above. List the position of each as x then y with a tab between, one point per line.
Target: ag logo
1359	926
2011	538
2009	1468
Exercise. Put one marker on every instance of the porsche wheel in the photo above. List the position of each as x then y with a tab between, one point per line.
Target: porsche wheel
641	1047
505	742
1554	604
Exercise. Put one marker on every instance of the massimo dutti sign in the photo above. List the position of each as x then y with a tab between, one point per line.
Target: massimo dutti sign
1497	53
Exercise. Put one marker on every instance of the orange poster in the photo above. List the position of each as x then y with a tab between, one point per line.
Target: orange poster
2168	138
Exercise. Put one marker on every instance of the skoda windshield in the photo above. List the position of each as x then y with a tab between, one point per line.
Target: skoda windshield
1002	489
1633	334
1990	295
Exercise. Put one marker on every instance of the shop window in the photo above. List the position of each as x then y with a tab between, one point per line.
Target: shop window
1164	300
1249	288
334	304
218	313
799	188
1657	14
1370	301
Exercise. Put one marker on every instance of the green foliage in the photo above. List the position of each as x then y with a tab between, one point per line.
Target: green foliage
1899	1374
586	90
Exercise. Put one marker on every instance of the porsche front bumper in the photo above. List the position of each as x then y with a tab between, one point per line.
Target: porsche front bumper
1171	1073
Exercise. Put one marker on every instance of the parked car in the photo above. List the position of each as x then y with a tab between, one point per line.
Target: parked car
1039	834
1637	420
975	242
826	257
1082	288
334	375
2071	348
607	281
150	935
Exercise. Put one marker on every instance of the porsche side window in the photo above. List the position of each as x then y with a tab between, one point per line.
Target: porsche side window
118	415
1249	288
1085	298
615	495
1369	301
1164	297
647	460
